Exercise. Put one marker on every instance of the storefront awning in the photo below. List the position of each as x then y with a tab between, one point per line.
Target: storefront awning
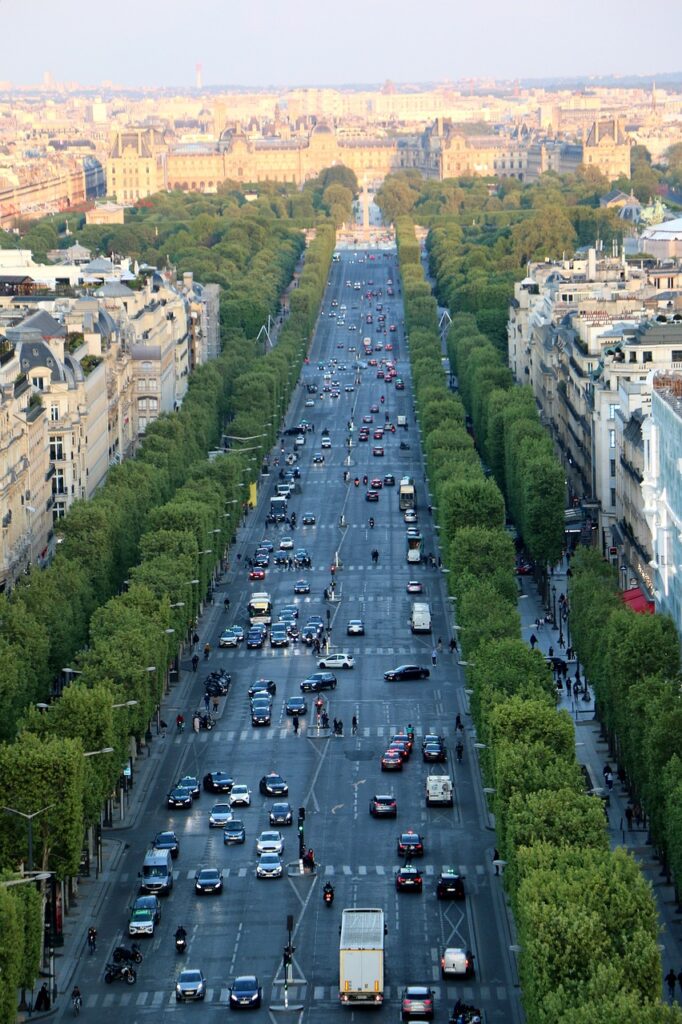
637	601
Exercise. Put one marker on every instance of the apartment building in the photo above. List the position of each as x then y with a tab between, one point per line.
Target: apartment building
585	335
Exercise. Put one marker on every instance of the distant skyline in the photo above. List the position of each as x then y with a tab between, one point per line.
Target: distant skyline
314	42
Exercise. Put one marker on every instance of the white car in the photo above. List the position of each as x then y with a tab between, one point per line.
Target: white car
300	441
240	796
355	627
269	866
415	587
220	815
410	516
229	638
286	544
338	660
326	442
270	842
309	403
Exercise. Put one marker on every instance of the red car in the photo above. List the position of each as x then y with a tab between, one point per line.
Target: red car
376	484
257	574
378	433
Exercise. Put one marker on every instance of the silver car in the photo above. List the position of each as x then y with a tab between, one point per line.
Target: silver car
191	984
270	842
269	866
220	815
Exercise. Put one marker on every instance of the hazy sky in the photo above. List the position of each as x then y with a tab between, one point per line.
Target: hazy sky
306	42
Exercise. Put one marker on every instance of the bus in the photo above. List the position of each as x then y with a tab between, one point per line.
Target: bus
406	494
260	608
414	546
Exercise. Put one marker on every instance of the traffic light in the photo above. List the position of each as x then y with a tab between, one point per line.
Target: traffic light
288	954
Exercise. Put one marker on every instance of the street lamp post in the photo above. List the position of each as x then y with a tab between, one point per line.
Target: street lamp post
29	818
554	606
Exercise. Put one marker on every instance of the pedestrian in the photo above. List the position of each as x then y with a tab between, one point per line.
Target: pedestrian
354	725
459	727
562	642
439	645
608	778
195	639
339	726
533	641
43	998
440	562
434	656
568	687
550	652
670	980
538	624
638	816
207	700
629	816
325	720
496	859
195	662
226	604
569	653
215	705
335	726
92	939
453	645
207	651
294	722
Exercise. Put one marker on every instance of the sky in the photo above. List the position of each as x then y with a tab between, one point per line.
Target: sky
260	43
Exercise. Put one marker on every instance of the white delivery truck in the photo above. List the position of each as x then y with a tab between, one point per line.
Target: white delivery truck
420	620
439	791
361	956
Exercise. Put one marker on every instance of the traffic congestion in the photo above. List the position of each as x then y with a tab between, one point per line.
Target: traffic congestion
318	767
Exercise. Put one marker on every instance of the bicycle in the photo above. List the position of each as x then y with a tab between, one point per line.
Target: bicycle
76	1005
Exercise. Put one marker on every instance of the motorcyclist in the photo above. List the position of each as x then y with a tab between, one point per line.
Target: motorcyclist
180	933
365	479
92	939
180	723
328	892
371	522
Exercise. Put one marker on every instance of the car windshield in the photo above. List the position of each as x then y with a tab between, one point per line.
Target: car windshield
244	985
208	874
191	976
142	915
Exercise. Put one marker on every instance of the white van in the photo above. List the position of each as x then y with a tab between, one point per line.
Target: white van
157	872
420	620
439	791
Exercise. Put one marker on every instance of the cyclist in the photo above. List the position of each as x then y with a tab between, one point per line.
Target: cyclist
76	1000
92	939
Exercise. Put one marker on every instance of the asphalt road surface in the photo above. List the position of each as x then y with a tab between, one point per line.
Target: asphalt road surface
244	929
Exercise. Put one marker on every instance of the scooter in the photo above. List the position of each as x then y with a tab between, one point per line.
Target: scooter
328	894
371	522
357	481
122	953
120	972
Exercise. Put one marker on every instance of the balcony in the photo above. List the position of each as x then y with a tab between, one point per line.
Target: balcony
50	473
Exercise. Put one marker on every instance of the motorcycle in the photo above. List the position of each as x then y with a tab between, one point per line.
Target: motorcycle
365	480
357	482
120	972
132	955
404	446
328	894
206	721
180	940
371	522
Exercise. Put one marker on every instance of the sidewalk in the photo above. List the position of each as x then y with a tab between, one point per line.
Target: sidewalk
592	752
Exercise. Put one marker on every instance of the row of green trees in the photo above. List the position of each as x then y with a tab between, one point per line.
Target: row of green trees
633	662
586	919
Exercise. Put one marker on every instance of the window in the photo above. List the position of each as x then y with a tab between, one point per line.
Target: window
613	497
141	424
54	411
58	511
612	467
647	357
677	355
56	448
613	409
153	384
38	382
612	438
58	486
153	405
142	404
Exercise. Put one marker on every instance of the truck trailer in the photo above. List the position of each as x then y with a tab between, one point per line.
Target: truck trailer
361	956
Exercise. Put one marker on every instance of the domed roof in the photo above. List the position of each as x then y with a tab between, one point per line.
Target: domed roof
322	129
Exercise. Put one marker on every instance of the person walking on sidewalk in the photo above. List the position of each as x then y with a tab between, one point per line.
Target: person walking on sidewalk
215	705
195	662
533	640
354	725
453	645
434	656
670	980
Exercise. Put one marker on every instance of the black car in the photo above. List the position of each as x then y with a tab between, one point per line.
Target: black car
296	706
407	672
234	832
279	636
319	681
191	783
308	519
208	880
281	558
311	631
281	813
167	841
218	782
245	993
383	806
263	686
273	785
450	885
410	844
434	753
389	480
179	797
302	559
261	713
408	879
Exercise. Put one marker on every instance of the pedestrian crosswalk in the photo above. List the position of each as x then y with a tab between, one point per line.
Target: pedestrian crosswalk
299	991
307	727
302	650
351	871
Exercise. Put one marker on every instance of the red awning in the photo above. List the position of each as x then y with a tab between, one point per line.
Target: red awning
637	602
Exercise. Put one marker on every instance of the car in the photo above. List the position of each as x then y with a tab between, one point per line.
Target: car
399	384
391	761
432	737
266	544
309	403
405	737
410	516
338	660
245	993
281	813
141	922
286	544
278	635
524	568
362	436
400	749
273	785
257	573
389	480
269	866
191	984
326	442
318	459
263	686
261	559
239	630
288	611
383	806
408	879
378	434
261	713
301	587
377	450
450	885
402	744
410	844
234	832
355	627
407	672
415	587
302	559
368	419
416	1003
240	796
376	484
255	638
456	962
296	706
208	880
392	328
372	496
167	841
192	783
318	681
299	440
308	519
434	753
179	797
349	388
219	815
374	408
229	638
311	632
270	842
